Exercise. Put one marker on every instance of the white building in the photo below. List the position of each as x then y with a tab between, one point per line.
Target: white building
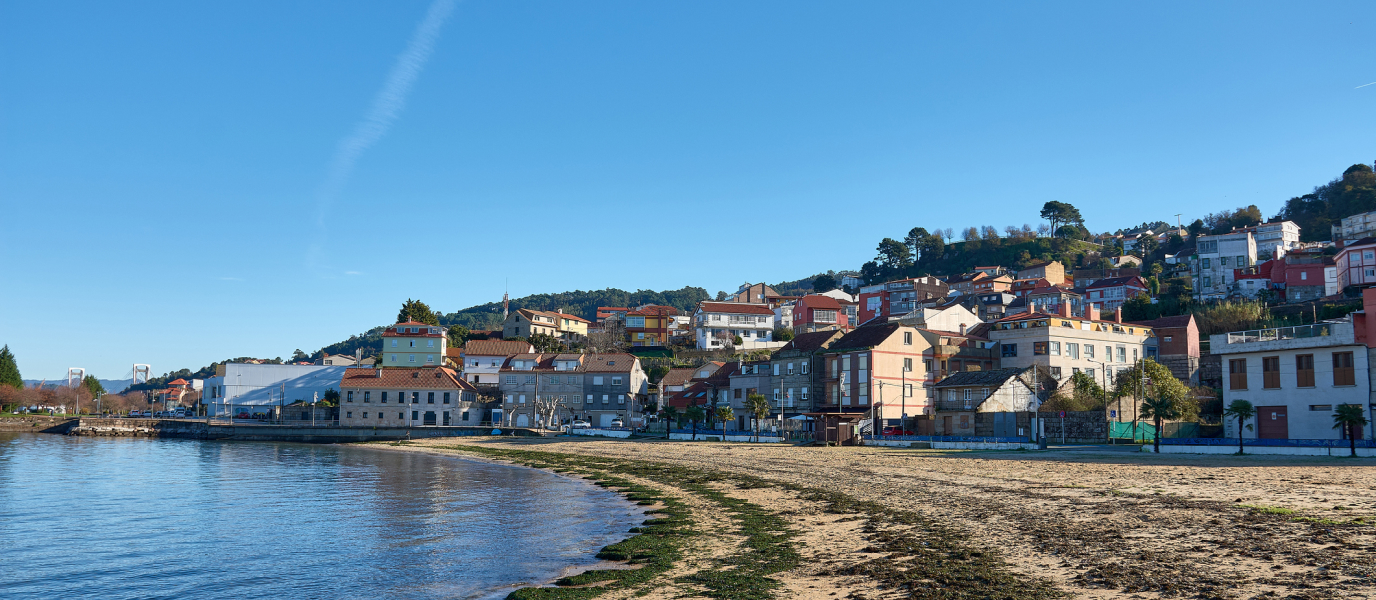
1274	240
1214	260
1295	377
1356	227
714	323
953	318
482	359
258	388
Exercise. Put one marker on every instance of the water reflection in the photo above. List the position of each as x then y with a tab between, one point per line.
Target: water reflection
122	518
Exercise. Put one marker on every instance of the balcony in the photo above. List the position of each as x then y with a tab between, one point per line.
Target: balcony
1281	333
1317	335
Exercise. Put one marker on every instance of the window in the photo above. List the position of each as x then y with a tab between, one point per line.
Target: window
350	397
1223	261
790	368
604	398
907	365
597	380
1342	369
616	381
415	415
430	359
1072	350
349	415
367	396
969	394
1089	351
415	397
1241	261
1207	281
465	416
1089	372
1009	350
384	397
1168	338
1304	370
776	394
410	358
620	398
365	414
522	398
1122	354
394	343
530	379
379	414
511	379
1368	255
802	367
802	394
1237	374
1056	372
1205	263
392	358
1270	372
1321	407
430	343
1304	275
1055	348
1108	353
1039	348
907	338
927	362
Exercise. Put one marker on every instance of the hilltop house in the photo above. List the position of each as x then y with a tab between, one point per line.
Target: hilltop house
525	322
717	324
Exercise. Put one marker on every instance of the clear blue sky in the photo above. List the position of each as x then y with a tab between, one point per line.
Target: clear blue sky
173	189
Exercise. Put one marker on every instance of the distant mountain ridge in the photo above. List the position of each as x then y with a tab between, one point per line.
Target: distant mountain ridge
112	386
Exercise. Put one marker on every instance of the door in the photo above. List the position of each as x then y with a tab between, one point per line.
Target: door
606	419
446	418
522	420
1272	423
946	425
429	417
1005	424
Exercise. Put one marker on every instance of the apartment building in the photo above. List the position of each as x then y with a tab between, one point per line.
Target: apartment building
535	386
1295	377
1305	275
413	344
526	322
614	386
816	312
1275	240
1110	293
1215	258
877	368
1355	228
1177	345
1052	271
895	298
1067	344
483	359
650	325
797	371
750	377
403	397
716	324
997	403
1356	264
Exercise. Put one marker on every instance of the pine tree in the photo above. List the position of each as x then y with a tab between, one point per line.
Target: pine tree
415	310
9	369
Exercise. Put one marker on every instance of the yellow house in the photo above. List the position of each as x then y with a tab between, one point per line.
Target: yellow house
525	322
413	344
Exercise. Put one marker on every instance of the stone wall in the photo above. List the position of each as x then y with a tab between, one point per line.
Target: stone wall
333	434
1087	427
36	424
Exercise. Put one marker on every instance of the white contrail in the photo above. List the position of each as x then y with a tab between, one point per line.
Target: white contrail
386	106
1364	85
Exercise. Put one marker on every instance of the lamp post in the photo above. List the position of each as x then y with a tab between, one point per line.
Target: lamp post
1119	412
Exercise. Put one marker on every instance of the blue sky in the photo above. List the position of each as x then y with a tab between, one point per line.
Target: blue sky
171	190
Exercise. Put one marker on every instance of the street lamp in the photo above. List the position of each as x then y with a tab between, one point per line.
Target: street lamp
1119	412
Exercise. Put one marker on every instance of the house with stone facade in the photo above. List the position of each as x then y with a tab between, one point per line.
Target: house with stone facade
401	397
996	403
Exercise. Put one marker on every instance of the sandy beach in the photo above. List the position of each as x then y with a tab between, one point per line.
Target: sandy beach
1086	523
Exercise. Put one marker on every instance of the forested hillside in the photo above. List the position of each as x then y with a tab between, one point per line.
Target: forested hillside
1316	212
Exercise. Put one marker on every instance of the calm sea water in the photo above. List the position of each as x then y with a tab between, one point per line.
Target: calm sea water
133	518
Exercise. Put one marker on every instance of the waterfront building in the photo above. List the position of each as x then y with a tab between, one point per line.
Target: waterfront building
257	389
408	398
413	344
1065	344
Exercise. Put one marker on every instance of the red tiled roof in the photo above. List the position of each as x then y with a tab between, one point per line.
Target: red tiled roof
654	311
178	381
1117	281
423	328
495	348
736	308
820	301
420	378
679	376
609	363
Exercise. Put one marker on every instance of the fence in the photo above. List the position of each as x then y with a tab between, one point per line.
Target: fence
1282	443
949	438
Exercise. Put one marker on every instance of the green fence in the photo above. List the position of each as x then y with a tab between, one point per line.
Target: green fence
1145	432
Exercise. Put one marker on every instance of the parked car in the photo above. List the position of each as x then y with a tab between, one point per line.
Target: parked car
895	431
242	415
617	422
580	425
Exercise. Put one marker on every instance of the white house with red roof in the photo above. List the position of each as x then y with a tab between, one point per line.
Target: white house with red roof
717	324
1110	294
407	398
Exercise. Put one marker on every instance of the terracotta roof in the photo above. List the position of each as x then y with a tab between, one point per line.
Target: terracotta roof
495	348
991	378
698	393
177	381
1036	266
608	363
735	307
654	311
1175	321
423	328
820	301
1116	281
420	378
679	376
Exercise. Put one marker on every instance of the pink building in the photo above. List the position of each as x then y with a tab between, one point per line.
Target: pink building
1357	263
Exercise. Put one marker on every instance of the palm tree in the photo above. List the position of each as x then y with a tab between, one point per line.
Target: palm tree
1350	417
724	415
758	406
1159	409
694	414
670	415
1241	410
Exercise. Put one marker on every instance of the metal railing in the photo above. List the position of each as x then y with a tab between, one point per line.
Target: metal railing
1281	333
949	438
1165	441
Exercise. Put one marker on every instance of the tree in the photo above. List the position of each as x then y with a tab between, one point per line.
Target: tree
93	386
1240	410
758	406
721	296
894	255
724	415
331	397
989	234
694	414
415	310
458	334
1159	409
545	408
823	283
545	342
1349	417
1195	228
1061	213
1162	383
9	370
1146	246
916	239
783	334
611	339
670	414
300	356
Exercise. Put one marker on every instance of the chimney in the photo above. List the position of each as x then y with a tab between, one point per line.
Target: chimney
962	329
1118	315
1063	309
1092	312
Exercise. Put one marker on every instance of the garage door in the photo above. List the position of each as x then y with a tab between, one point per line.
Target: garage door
606	420
1272	423
522	421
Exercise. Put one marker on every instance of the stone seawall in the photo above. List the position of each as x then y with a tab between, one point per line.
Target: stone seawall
37	424
200	430
1088	427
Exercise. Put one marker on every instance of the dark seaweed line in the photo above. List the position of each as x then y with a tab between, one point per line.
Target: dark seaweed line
924	559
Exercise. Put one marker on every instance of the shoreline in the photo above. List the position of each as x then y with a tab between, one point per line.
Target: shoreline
1055	524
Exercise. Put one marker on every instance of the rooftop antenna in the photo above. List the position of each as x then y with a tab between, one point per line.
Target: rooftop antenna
506	301
1177	220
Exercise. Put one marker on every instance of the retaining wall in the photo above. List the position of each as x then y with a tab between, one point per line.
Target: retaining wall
1085	427
200	430
953	445
1281	450
36	424
717	436
615	433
